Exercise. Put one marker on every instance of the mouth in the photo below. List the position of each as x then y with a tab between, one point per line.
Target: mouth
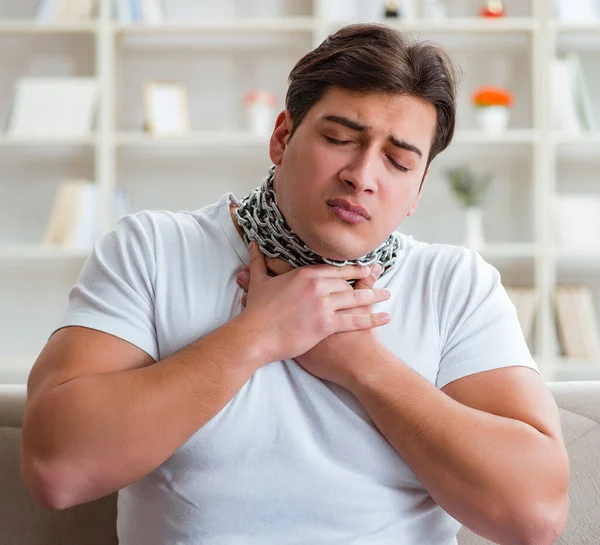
348	212
348	206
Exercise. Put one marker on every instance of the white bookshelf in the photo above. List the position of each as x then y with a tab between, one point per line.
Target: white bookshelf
243	52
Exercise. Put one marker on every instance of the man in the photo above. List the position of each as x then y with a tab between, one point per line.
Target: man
334	405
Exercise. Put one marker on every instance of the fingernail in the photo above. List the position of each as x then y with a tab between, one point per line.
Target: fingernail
376	270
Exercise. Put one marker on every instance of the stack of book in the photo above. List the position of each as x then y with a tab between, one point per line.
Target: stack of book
577	321
75	217
572	105
525	301
57	11
148	11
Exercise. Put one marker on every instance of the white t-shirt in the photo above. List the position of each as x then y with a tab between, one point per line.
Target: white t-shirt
291	458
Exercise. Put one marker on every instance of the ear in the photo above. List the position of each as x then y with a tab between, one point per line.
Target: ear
280	137
413	208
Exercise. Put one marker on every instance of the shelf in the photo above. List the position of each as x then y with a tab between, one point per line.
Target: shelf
244	139
457	25
195	139
578	258
232	25
28	26
512	136
563	369
8	140
23	252
509	251
579	26
584	137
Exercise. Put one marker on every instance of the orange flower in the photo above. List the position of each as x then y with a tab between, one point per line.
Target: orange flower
492	96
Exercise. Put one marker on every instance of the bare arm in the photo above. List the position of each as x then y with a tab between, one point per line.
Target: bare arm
92	434
100	415
488	448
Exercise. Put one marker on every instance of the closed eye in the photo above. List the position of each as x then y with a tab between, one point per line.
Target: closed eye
337	142
396	165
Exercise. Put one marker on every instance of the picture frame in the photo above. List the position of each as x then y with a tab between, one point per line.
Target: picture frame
166	108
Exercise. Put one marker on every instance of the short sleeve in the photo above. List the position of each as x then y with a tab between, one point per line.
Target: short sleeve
479	327
115	289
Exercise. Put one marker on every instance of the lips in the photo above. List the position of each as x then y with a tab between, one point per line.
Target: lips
346	205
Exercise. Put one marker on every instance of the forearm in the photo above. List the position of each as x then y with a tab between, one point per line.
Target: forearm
98	433
491	473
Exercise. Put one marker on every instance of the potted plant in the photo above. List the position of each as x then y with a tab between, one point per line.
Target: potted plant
492	104
469	189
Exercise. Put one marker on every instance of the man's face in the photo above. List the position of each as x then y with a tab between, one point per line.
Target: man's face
365	150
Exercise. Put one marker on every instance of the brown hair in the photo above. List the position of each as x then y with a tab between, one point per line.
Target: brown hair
377	58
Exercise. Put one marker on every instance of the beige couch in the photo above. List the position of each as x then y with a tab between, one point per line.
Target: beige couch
22	522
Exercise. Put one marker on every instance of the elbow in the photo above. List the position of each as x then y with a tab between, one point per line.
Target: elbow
545	528
47	486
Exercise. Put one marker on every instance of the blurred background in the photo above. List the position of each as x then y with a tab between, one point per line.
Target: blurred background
113	106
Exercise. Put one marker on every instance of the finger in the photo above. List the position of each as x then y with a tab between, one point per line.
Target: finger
368	282
243	280
347	272
353	322
244	300
358	298
258	268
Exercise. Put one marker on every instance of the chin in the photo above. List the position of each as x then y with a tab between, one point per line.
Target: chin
339	250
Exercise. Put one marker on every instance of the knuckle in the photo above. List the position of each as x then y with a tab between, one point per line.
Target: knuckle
313	285
358	296
357	320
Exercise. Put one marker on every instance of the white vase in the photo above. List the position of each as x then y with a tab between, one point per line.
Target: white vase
474	237
260	118
492	118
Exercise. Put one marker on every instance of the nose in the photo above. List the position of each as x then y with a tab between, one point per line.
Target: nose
360	174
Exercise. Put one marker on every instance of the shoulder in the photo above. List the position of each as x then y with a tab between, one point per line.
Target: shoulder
444	262
161	231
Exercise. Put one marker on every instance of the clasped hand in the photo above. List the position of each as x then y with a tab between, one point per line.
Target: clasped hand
313	314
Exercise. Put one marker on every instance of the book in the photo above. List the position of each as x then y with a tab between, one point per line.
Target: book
122	11
564	108
152	11
524	298
45	10
566	323
588	320
53	107
75	216
136	10
581	94
55	11
577	322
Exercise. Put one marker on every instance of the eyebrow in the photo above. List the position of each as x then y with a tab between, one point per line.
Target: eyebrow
363	128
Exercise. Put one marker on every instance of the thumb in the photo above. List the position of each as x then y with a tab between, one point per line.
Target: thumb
368	282
258	267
